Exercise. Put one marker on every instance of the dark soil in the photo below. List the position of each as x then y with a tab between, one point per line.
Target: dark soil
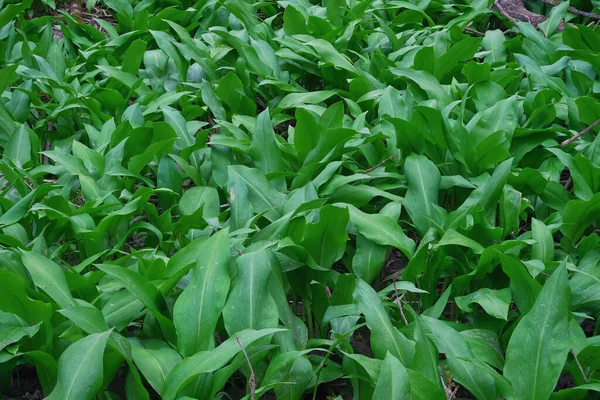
24	386
361	342
588	327
463	393
331	390
564	382
394	264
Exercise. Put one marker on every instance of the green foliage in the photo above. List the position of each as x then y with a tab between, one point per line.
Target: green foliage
354	199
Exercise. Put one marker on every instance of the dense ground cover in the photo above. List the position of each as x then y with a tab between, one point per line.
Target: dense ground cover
347	199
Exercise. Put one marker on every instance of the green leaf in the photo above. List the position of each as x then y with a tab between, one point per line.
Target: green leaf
18	211
484	196
480	379
198	308
18	148
493	43
523	287
155	363
539	345
326	239
425	81
393	382
264	149
459	52
90	319
368	259
8	74
557	14
544	248
494	302
250	305
291	368
205	362
296	99
262	196
382	230
80	369
422	196
14	299
384	336
578	215
146	292
48	276
13	328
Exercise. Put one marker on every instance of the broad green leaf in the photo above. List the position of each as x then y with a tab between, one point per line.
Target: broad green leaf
263	197
146	292
292	367
295	99
393	382
544	248
493	43
18	148
264	149
523	287
480	379
427	82
326	239
384	336
198	308
578	215
13	328
494	302
19	210
539	345
422	196
80	369
188	369
459	52
249	304
557	14
90	319
8	74
382	230
14	299
484	196
48	276
368	259
155	363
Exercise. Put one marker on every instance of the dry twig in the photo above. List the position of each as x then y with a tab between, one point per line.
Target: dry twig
399	302
252	379
450	394
573	10
379	164
580	134
585	378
